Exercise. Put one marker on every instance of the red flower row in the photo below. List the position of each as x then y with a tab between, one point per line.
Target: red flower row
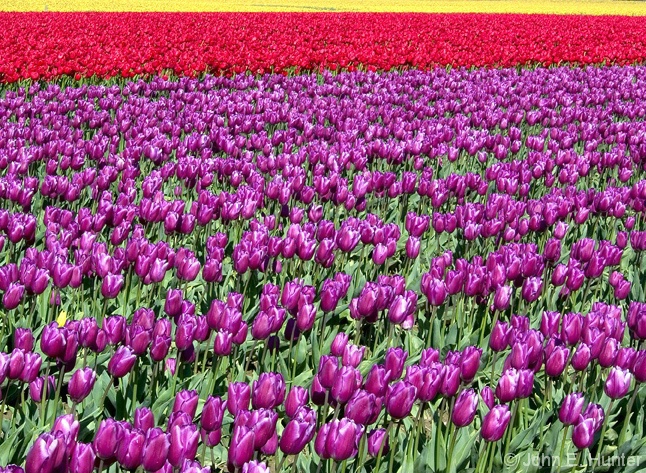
46	45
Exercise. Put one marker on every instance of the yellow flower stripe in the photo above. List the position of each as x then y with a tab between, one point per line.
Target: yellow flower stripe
585	7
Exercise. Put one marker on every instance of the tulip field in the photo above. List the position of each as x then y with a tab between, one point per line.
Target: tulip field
322	243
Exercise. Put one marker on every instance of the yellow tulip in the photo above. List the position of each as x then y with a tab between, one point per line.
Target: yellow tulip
585	7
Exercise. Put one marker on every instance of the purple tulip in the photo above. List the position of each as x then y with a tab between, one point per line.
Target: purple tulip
377	381
394	362
297	397
338	439
239	396
557	361
255	467
375	440
38	389
617	383
363	408
268	391
31	367
499	338
495	423
107	439
639	367
338	344
46	454
502	298
488	397
111	285
81	384
144	419
23	338
507	388
470	363
186	401
173	303
583	433
298	432
131	449
212	413
183	443
450	380
115	329
241	447
53	341
434	290
400	397
465	407
155	450
13	295
121	362
82	459
571	408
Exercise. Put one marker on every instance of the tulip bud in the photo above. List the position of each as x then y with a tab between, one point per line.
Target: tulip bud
81	384
400	397
394	362
144	419
571	408
131	449
46	454
338	344
82	460
186	401
465	407
297	397
121	362
268	391
583	433
183	444
107	439
239	396
376	439
495	423
212	414
617	383
241	446
298	432
23	338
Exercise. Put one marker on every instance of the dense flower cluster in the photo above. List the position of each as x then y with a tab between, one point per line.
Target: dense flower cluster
44	46
252	271
564	7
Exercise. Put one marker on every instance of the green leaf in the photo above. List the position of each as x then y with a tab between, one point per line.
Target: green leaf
463	445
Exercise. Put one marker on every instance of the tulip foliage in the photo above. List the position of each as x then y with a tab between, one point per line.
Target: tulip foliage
405	271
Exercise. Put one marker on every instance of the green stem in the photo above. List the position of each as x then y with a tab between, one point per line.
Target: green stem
454	436
492	453
381	447
603	430
628	413
567	427
105	394
57	396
